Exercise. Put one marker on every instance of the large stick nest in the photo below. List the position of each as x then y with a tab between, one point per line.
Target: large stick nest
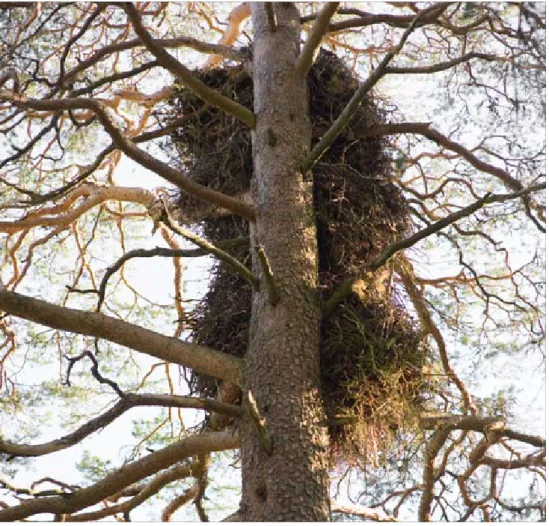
372	354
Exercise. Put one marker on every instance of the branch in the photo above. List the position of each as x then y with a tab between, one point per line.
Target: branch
61	216
259	423
442	65
129	401
362	511
271	17
272	290
166	43
127	146
161	252
367	19
236	18
177	472
178	502
183	74
320	28
344	290
10	74
480	425
209	247
349	110
424	128
94	370
202	359
123	477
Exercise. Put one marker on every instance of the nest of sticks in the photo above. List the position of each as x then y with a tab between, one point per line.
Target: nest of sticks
372	354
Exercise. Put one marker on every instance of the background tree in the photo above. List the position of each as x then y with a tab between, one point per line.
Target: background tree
85	88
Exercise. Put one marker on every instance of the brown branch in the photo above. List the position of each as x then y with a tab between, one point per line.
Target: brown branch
305	58
271	17
259	423
166	43
272	289
424	128
10	74
441	66
160	252
368	19
209	247
123	477
432	448
346	288
480	425
127	146
178	502
183	74
335	129
362	511
202	359
177	472
129	401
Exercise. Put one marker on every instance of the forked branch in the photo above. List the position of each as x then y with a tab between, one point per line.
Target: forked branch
123	477
183	74
344	290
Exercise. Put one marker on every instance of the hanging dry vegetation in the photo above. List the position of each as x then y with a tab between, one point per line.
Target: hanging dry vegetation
372	354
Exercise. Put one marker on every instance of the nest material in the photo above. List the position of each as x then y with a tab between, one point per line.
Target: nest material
371	352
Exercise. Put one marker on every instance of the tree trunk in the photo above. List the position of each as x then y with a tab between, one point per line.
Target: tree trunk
282	364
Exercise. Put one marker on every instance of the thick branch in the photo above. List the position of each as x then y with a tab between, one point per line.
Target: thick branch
344	290
183	74
129	474
202	359
320	28
177	472
362	511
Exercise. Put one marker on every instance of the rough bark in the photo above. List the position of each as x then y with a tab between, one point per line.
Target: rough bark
282	363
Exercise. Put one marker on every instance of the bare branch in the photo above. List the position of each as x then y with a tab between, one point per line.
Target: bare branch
259	423
160	252
271	17
362	511
98	325
424	128
10	74
272	289
131	150
123	477
344	290
129	401
305	59
177	472
335	129
209	247
441	66
183	74
480	425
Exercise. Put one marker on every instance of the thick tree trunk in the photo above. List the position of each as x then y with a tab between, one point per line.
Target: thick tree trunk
282	365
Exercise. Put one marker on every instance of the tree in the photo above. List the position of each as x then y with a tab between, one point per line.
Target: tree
84	87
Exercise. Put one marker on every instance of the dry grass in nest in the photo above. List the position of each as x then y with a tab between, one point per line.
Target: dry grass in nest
371	353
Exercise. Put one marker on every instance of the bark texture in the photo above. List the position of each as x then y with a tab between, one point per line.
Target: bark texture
282	363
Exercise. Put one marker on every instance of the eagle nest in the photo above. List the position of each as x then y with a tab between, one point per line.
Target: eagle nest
372	354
